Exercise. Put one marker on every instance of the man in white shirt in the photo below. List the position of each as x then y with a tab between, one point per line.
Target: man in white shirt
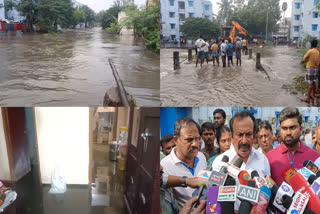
200	43
265	137
223	51
243	128
206	50
185	159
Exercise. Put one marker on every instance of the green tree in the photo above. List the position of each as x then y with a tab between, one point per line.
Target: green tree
194	27
226	8
90	16
79	16
109	16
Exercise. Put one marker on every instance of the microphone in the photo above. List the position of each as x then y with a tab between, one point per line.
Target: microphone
227	196
249	194
218	178
203	176
244	177
270	182
201	189
277	193
260	181
299	183
287	173
234	169
311	166
306	173
297	204
219	165
315	184
264	197
213	206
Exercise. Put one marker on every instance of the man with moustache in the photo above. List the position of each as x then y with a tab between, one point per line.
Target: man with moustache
292	152
243	128
185	160
208	137
265	137
219	118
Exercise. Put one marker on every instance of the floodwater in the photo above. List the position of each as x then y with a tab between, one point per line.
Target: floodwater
73	69
234	86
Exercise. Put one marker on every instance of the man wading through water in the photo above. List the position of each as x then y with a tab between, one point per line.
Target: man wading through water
312	59
200	44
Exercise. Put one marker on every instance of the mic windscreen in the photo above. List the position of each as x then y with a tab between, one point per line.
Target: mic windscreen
274	190
225	159
254	174
238	163
244	177
286	201
312	178
230	181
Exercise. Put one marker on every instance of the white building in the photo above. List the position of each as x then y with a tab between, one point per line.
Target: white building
304	20
2	11
174	12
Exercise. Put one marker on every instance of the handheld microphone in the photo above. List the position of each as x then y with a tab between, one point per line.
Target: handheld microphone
201	189
287	173
227	196
234	169
248	194
306	173
244	177
217	167
264	197
270	182
299	183
260	181
218	178
203	176
311	166
315	184
297	204
213	206
278	192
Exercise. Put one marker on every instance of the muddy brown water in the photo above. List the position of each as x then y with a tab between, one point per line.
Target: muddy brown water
72	68
234	86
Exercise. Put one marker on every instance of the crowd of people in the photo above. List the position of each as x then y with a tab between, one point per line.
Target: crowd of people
259	148
220	47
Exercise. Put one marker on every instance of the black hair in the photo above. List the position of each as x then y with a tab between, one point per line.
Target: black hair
289	113
220	131
314	43
241	115
256	123
182	122
208	126
220	111
165	139
264	125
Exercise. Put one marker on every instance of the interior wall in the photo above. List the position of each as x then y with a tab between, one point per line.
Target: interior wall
63	141
122	119
4	161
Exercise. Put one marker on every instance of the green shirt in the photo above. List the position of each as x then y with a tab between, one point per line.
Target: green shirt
210	161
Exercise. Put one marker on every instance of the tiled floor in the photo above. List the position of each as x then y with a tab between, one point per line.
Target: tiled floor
106	195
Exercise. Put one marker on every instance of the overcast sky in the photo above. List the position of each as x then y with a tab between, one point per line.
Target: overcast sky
288	12
98	5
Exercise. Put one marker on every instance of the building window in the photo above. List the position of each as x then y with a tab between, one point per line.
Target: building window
191	14
207	7
182	16
297	5
171	2
173	26
295	38
314	27
207	17
171	14
315	15
181	5
315	2
173	37
296	17
296	28
190	3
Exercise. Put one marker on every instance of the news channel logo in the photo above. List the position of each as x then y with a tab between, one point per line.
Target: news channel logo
285	188
294	212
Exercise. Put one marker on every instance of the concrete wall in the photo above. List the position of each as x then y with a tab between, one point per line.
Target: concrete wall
4	162
63	140
124	31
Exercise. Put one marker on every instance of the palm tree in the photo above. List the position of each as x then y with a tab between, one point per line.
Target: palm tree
225	10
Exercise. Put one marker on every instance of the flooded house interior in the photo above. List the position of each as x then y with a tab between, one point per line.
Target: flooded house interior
80	160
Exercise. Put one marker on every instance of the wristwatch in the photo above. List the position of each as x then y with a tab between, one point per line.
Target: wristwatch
184	181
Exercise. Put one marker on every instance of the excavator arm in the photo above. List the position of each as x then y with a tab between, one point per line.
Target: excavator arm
237	26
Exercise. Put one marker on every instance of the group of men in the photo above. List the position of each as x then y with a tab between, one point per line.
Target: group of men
185	160
218	47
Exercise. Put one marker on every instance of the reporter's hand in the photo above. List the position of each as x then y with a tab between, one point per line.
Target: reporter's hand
201	209
191	182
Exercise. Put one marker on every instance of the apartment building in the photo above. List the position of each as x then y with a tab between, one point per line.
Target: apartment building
305	19
174	12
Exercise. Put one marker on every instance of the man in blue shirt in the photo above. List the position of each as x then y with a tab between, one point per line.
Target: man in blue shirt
230	53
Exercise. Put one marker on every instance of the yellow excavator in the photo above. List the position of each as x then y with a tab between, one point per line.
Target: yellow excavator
236	26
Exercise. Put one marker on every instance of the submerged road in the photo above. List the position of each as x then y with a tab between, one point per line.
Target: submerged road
234	86
72	68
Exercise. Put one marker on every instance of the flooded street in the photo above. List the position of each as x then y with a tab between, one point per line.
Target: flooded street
234	86
72	68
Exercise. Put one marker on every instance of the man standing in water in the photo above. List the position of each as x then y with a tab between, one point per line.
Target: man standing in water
215	53
312	59
238	51
224	52
200	43
230	53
